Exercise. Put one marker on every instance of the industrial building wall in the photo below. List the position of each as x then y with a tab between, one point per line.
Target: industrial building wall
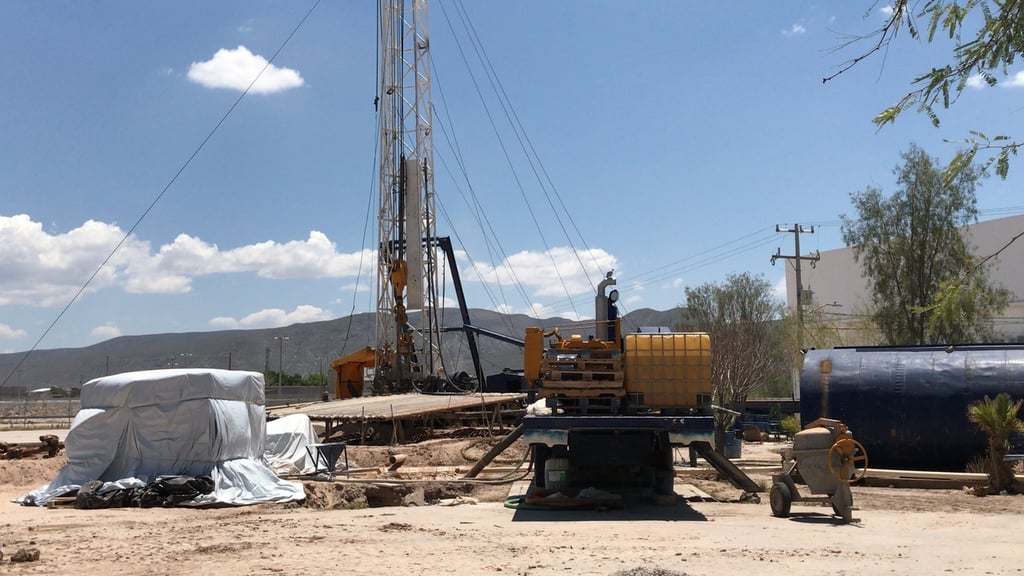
837	277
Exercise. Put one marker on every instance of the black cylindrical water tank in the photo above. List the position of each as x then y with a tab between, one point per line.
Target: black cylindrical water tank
908	405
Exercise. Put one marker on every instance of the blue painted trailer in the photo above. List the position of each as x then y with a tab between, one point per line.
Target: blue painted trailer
908	405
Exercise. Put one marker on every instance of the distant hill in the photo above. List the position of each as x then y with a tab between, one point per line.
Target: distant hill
307	349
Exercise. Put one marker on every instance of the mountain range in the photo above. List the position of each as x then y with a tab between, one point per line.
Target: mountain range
305	348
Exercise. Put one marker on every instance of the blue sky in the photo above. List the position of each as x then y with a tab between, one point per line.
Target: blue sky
677	134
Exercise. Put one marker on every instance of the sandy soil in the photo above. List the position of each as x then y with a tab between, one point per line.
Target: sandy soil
340	528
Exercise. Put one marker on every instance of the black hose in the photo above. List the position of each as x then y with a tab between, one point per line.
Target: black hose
498	449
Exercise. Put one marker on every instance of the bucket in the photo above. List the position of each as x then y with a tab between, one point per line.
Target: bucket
733	447
556	473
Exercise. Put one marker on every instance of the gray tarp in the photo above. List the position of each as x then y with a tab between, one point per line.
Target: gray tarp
287	439
136	426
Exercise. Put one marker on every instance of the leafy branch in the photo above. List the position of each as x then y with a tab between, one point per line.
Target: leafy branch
995	46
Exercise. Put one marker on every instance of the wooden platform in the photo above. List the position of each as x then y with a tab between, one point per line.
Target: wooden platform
401	411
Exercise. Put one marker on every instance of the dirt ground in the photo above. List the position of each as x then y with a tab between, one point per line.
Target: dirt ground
420	519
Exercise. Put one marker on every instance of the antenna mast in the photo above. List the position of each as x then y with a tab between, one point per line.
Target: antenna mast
407	354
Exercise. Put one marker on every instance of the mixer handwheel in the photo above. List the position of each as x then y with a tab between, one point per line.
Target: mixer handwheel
850	454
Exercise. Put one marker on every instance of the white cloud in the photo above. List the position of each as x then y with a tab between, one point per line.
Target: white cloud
43	269
316	257
538	310
47	269
976	82
106	331
8	333
794	30
779	290
1016	80
887	10
273	318
553	273
633	300
236	69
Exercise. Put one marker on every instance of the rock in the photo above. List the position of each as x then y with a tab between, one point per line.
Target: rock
26	555
415	498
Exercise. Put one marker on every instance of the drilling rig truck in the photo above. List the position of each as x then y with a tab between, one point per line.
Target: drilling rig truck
619	405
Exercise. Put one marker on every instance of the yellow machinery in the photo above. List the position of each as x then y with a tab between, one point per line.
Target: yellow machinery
349	370
644	372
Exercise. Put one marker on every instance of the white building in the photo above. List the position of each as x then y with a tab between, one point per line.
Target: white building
836	287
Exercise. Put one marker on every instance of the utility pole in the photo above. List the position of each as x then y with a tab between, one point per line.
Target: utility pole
796	230
280	361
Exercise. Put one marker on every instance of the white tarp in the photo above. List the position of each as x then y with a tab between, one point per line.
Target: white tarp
287	439
136	426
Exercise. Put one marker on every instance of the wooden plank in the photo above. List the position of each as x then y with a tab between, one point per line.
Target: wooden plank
62	502
585	375
691	493
583	392
582	385
582	364
922	479
590	353
924	475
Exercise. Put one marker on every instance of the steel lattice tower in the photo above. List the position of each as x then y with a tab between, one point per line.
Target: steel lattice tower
407	258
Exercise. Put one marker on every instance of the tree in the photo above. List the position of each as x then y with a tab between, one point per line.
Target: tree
998	419
981	53
987	36
738	316
817	327
315	379
912	253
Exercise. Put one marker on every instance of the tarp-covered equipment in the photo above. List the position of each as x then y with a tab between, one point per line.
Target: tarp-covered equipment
138	426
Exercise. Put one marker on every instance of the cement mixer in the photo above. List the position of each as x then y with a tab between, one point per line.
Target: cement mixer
828	459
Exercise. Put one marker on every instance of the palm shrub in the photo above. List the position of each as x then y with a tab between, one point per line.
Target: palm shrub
997	418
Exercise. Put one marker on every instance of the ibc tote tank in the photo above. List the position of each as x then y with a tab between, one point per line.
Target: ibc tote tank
668	370
908	405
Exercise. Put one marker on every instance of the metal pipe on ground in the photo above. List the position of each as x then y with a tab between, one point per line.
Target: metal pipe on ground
395	461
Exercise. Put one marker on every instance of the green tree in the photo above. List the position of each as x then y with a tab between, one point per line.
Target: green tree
998	419
315	379
915	259
985	38
817	327
738	315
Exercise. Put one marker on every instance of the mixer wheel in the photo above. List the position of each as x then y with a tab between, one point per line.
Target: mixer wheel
780	498
853	460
